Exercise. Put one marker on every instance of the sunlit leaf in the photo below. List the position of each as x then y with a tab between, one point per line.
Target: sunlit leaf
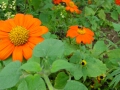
61	80
31	67
60	64
49	48
9	75
35	82
75	85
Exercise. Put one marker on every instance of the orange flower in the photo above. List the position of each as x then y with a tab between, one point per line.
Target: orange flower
70	6
57	1
19	35
82	34
117	2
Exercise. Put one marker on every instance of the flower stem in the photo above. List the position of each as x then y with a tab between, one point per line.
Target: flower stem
47	80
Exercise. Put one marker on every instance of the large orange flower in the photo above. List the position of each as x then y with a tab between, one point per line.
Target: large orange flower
117	2
82	34
19	35
70	6
57	1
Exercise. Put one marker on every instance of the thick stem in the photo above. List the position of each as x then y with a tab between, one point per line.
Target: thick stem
47	80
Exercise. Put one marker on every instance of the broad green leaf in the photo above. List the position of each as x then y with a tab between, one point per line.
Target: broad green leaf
34	59
9	75
23	85
69	49
96	65
114	15
78	73
116	26
89	11
7	61
60	64
35	82
49	48
115	53
31	67
75	85
99	48
49	35
61	80
87	70
101	14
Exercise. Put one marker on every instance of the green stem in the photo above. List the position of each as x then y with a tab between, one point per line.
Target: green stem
48	82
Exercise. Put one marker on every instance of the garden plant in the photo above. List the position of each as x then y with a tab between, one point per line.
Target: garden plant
59	44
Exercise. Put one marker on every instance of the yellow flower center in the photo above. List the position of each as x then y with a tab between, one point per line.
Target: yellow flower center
81	31
71	4
83	63
19	35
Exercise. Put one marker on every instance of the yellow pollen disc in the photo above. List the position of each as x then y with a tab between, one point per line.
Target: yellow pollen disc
19	35
71	4
83	62
81	31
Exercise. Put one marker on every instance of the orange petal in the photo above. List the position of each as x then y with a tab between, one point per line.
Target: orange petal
19	19
88	31
6	52
87	39
35	40
27	51
3	34
5	26
4	43
17	54
27	21
31	45
74	27
79	39
38	31
72	33
35	22
30	22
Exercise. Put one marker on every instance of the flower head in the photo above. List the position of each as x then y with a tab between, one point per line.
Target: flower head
70	6
83	63
117	2
57	1
19	35
82	34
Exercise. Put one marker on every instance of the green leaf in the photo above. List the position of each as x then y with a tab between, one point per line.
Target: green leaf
60	64
35	4
77	72
35	82
101	14
31	67
114	53
23	85
89	11
87	70
61	80
99	48
49	48
75	85
114	15
49	35
10	74
116	26
45	17
69	49
96	65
